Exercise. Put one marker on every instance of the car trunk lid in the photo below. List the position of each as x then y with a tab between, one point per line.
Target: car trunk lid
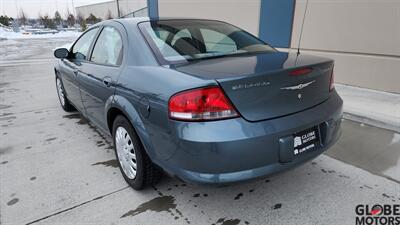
268	85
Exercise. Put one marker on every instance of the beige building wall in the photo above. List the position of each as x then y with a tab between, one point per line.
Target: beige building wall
101	9
242	13
363	36
128	6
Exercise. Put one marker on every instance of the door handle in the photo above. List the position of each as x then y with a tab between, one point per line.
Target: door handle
107	81
76	72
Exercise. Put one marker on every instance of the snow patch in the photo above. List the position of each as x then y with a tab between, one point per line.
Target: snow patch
5	34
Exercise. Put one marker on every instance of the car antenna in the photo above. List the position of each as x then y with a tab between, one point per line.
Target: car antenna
301	30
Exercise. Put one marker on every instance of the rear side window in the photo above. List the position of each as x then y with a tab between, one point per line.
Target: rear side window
81	47
108	47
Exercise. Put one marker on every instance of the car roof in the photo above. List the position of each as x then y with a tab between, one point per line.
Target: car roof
136	20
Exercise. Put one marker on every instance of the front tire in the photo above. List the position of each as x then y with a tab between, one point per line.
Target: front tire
135	165
64	102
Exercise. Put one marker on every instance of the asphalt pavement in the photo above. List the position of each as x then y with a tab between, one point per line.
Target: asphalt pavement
56	168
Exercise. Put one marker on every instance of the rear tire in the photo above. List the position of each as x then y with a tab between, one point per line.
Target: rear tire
130	154
62	96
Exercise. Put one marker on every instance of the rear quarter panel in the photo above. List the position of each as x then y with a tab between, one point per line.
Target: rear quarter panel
143	93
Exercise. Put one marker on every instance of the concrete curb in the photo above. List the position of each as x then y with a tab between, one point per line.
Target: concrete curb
370	121
376	108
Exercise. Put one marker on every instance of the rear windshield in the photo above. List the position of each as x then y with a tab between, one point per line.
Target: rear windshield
177	41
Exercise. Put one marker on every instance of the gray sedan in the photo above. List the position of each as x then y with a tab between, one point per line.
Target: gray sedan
201	100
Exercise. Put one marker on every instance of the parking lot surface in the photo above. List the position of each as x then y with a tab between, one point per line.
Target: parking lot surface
56	168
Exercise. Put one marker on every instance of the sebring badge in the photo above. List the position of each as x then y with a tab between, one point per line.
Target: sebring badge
298	87
250	85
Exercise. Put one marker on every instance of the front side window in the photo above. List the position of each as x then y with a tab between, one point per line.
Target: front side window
80	50
177	41
108	47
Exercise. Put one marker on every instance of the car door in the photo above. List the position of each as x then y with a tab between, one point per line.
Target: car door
98	77
69	68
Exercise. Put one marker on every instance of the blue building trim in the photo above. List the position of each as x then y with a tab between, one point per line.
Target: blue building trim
276	21
152	7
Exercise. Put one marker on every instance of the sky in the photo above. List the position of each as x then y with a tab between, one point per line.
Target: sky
32	8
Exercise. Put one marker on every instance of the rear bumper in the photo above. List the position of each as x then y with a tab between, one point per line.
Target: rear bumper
235	150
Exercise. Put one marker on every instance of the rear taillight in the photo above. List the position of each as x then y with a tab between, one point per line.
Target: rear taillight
332	82
207	103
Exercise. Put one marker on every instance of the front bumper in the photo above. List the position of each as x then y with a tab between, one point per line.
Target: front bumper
235	150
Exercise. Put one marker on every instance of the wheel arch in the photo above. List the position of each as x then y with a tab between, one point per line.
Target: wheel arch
56	72
57	68
119	105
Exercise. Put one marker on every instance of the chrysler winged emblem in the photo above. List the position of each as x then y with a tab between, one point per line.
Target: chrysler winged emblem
298	87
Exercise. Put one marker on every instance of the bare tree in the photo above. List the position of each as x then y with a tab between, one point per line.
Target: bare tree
82	22
47	22
40	18
92	19
57	18
71	20
83	25
22	17
79	18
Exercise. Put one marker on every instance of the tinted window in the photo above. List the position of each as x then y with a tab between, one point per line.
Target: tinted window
81	47
163	34
181	34
108	47
176	41
218	42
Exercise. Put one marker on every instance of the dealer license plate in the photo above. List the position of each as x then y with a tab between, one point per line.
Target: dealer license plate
306	140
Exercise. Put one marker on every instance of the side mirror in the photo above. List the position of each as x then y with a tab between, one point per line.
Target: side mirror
61	53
